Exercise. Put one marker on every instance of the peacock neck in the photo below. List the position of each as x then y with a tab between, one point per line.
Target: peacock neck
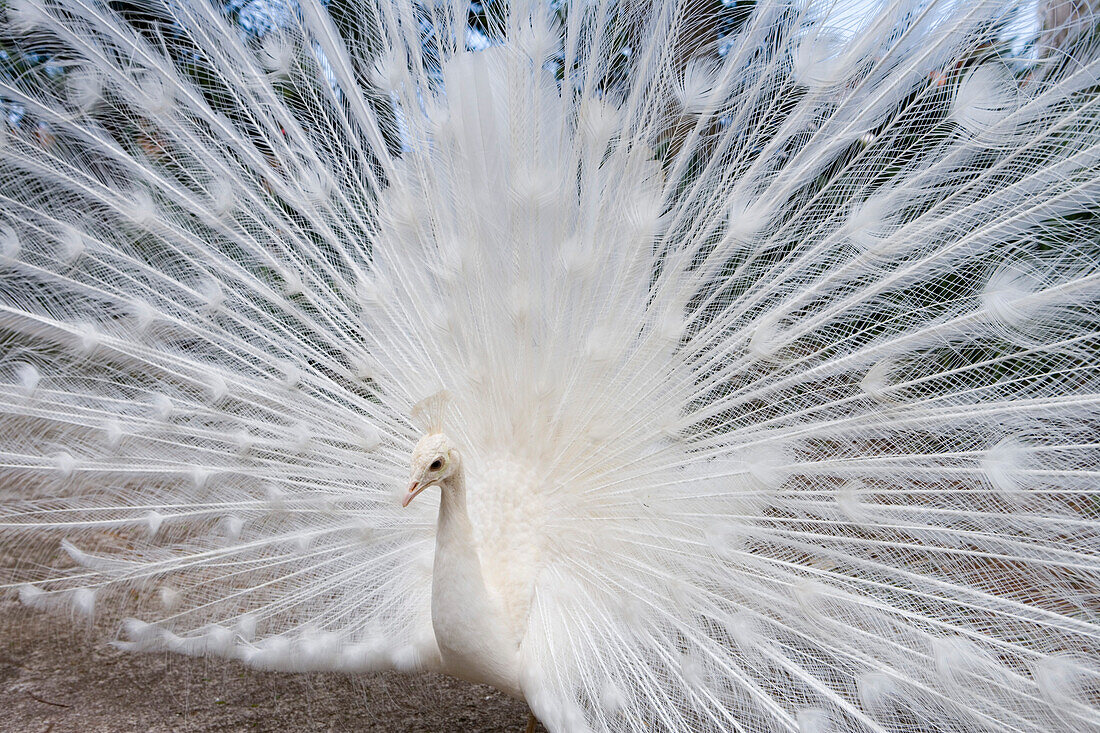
455	544
466	619
453	518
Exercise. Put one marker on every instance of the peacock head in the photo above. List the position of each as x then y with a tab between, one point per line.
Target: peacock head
434	461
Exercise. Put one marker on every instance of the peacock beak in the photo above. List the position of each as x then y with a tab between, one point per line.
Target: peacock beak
414	488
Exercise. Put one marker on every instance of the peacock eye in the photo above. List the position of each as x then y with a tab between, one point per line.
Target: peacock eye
436	464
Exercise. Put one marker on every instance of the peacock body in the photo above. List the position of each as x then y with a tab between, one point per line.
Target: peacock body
752	349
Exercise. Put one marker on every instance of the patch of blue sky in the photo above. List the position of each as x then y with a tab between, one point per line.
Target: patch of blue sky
261	16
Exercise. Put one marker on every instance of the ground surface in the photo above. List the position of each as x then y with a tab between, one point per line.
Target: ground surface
58	677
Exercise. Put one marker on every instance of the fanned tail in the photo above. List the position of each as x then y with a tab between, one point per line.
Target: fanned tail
788	331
